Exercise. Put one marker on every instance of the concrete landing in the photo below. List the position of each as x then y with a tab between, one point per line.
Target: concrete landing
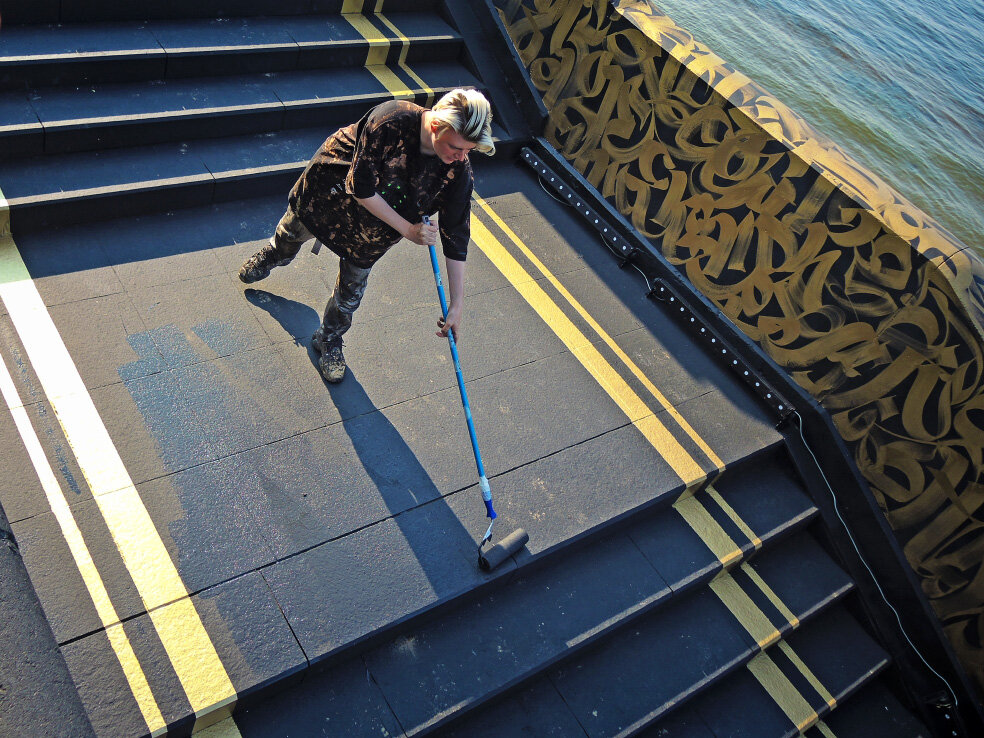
242	519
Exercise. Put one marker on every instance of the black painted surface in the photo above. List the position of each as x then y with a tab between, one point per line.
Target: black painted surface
741	708
536	711
37	695
872	713
341	592
343	702
21	131
618	685
434	671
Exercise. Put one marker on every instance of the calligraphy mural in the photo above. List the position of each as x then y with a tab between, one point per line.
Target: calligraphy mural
866	301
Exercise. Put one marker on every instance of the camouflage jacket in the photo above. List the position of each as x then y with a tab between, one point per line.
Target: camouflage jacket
381	153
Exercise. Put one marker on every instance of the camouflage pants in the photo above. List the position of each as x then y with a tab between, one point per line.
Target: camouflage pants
350	285
349	288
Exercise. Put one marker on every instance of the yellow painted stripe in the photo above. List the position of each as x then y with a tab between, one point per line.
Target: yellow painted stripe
808	674
771	595
352	6
118	640
578	344
376	58
193	656
689	506
825	729
745	610
786	695
710	532
404	50
735	517
609	341
378	43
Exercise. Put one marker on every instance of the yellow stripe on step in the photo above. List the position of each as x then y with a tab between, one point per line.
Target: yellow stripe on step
735	517
404	50
182	633
609	341
635	409
785	694
745	610
711	533
808	674
376	58
770	595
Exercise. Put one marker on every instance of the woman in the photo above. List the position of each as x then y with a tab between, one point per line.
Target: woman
370	185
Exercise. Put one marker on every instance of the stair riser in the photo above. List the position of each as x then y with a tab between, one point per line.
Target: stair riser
35	216
61	139
129	68
83	136
27	142
626	622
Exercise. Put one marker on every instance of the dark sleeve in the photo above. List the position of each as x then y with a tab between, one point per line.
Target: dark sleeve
454	220
378	131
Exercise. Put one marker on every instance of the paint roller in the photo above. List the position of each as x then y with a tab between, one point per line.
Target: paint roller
499	552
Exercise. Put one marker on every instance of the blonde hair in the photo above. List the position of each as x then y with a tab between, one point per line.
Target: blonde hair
468	113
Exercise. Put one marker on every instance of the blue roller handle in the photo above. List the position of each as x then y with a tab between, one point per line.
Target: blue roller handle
483	482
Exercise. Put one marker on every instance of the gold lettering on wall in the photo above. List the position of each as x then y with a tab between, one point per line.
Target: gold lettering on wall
869	304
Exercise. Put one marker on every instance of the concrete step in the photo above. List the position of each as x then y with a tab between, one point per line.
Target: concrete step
46	191
33	57
792	686
435	675
833	647
438	672
874	712
619	689
157	111
392	536
21	12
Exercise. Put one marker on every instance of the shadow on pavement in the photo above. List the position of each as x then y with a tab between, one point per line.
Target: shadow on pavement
402	482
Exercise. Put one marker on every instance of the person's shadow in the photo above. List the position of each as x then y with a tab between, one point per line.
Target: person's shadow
431	528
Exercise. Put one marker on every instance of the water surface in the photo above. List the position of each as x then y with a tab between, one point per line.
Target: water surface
900	86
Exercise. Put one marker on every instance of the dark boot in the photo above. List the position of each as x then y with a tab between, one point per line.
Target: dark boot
258	266
331	362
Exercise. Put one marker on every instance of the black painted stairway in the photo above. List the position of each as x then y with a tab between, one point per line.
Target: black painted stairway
641	632
639	627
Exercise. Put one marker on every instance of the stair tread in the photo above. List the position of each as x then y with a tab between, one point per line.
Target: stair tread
16	113
23	12
20	44
122	114
467	656
433	671
81	174
24	44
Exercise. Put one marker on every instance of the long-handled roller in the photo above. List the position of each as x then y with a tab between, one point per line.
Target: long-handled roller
512	543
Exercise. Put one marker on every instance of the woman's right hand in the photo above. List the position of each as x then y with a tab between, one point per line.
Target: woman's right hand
425	235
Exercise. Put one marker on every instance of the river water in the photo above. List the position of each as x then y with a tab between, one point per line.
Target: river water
899	85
